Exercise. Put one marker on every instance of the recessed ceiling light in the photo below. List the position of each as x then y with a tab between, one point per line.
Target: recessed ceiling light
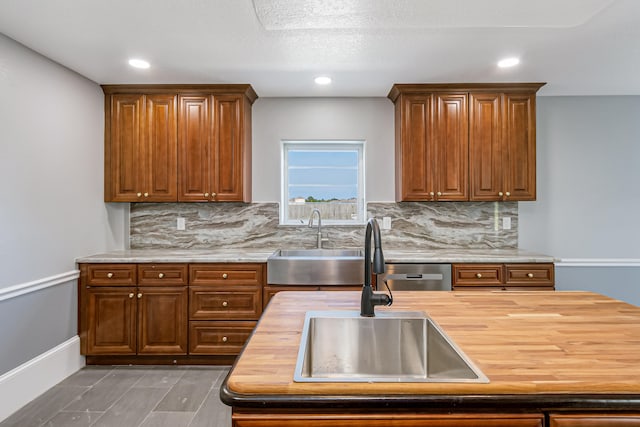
508	62
139	63
323	80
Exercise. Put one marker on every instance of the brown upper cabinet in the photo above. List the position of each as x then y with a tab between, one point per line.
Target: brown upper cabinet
459	142
140	151
186	143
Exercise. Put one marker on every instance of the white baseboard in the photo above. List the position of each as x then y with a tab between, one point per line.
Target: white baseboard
26	382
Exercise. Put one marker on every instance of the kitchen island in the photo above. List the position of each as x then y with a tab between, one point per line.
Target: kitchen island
552	358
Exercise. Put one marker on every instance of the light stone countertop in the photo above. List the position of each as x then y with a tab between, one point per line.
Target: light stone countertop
418	255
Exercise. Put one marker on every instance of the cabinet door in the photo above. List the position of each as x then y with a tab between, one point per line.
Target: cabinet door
520	146
451	147
229	149
111	317
416	149
162	320
594	420
160	179
194	149
486	155
124	168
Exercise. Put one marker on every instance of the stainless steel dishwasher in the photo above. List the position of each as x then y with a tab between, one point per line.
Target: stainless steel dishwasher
416	277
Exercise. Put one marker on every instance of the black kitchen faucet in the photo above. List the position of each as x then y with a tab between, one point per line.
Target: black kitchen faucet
370	299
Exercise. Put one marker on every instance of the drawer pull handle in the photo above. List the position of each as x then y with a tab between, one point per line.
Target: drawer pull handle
479	275
139	295
225	339
529	275
224	303
225	275
109	275
160	275
131	295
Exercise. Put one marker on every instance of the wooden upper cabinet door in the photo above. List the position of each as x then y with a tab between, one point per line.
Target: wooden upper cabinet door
229	149
451	147
520	146
194	149
486	153
160	174
124	165
415	149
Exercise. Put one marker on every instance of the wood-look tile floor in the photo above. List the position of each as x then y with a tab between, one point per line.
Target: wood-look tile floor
131	396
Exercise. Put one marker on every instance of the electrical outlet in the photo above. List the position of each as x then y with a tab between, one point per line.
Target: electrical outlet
506	223
181	225
386	223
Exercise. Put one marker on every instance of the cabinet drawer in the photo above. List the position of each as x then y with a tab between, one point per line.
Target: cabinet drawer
207	337
477	275
529	274
162	274
239	303
111	274
226	274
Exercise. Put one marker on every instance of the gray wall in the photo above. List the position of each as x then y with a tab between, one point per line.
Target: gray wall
588	193
51	182
369	119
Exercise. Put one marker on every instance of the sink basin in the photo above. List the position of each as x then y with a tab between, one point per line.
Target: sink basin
316	267
341	346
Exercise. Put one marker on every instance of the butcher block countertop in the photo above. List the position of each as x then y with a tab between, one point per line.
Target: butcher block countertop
534	347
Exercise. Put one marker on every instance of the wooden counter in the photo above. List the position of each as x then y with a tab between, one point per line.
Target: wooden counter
542	351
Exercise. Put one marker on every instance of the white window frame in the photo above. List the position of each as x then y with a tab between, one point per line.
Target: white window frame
319	145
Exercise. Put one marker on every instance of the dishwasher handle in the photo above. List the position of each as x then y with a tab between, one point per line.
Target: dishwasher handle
409	276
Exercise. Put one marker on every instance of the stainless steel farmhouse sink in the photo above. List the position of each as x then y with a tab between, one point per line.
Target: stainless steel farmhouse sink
316	267
341	346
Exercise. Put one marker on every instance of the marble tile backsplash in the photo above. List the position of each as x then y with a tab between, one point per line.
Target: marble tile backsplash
472	225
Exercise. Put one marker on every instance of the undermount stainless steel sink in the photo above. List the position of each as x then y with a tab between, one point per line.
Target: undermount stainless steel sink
341	346
316	267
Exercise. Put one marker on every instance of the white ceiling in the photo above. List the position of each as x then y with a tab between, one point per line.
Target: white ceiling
579	47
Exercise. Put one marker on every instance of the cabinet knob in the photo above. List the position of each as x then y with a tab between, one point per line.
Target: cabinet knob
225	303
529	275
160	275
109	275
131	295
500	193
139	194
139	295
479	275
225	339
206	194
213	195
507	194
146	194
225	275
439	193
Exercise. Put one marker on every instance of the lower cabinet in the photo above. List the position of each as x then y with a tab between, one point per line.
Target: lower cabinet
121	319
506	277
225	303
385	420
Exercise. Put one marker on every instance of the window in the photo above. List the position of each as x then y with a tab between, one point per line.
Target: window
327	175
